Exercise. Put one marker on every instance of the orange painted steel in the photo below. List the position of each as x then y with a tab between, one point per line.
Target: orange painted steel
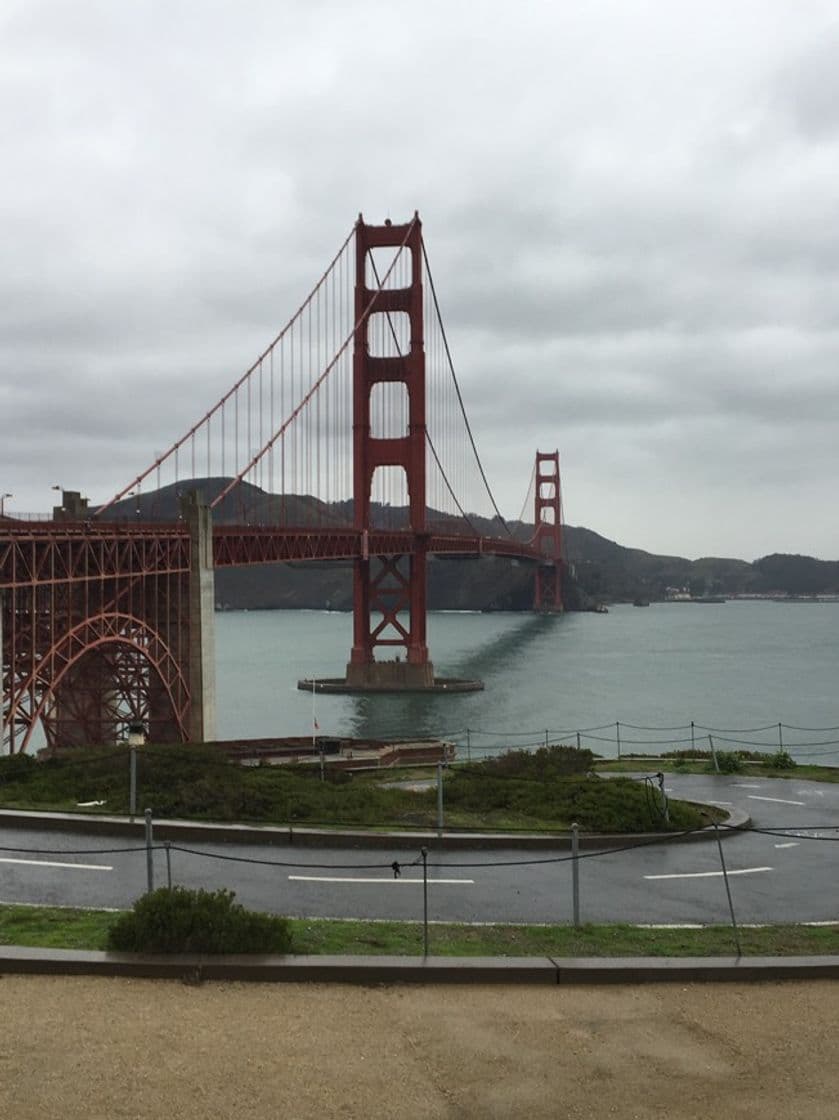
548	536
95	621
389	590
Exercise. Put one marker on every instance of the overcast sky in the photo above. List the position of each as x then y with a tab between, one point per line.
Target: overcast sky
630	207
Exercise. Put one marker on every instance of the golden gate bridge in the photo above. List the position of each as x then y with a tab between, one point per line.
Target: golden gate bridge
347	439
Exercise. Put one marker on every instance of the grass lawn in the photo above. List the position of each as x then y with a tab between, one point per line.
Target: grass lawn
56	928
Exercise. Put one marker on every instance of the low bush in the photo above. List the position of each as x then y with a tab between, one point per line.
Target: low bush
597	804
557	761
15	767
781	760
694	754
728	762
178	920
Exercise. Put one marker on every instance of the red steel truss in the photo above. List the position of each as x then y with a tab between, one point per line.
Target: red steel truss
94	622
94	616
97	622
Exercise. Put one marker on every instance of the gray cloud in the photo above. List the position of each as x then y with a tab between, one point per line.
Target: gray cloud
630	212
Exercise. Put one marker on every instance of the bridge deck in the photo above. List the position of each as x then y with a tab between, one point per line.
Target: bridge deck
33	553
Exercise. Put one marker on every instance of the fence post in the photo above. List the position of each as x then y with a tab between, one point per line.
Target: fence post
692	740
578	740
780	737
132	783
575	872
424	853
728	892
439	799
664	803
618	737
149	852
714	754
168	846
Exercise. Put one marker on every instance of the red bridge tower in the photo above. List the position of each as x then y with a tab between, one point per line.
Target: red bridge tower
548	536
389	592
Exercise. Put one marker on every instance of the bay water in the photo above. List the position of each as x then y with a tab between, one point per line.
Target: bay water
629	680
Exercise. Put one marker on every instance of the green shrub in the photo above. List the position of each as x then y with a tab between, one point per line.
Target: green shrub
15	767
597	804
781	760
557	761
178	920
728	762
695	754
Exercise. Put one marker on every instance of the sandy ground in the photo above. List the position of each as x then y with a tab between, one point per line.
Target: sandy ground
97	1048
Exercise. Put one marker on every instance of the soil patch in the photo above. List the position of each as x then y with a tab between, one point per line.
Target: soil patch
107	1048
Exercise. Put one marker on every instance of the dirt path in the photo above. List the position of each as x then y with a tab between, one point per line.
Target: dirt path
98	1048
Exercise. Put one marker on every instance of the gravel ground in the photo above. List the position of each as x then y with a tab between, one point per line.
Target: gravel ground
97	1048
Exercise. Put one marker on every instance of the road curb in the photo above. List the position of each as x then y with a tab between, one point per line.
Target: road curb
192	968
324	838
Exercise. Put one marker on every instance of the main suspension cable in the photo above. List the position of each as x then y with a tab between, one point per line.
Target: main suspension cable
457	390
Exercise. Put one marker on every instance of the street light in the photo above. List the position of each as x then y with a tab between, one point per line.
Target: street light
58	510
3	503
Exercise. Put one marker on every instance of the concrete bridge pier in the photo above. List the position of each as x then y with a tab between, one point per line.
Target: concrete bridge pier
201	636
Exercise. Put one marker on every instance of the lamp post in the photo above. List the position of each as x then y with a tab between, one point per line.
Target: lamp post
3	503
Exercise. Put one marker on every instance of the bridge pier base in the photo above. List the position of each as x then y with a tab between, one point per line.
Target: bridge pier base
381	680
389	676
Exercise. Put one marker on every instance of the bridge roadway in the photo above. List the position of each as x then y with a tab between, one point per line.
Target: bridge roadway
48	553
774	878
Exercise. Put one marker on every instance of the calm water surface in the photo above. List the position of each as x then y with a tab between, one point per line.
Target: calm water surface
732	666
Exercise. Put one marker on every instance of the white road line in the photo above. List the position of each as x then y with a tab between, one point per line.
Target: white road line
747	785
670	925
791	844
709	874
48	863
379	882
707	925
777	800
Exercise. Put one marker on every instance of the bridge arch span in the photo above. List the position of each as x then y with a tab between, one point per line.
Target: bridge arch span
109	669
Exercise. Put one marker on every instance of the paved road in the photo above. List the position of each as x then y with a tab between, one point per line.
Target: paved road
773	878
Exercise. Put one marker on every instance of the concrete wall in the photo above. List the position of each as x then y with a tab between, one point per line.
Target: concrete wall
202	644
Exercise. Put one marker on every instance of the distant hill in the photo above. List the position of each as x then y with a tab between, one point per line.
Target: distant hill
599	569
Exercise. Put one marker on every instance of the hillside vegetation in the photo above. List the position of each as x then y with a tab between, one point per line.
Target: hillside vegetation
598	568
549	789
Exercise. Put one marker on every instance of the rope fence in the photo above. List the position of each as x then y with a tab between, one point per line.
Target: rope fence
619	738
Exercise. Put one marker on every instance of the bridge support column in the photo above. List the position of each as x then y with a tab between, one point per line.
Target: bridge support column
201	636
5	688
389	592
547	595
